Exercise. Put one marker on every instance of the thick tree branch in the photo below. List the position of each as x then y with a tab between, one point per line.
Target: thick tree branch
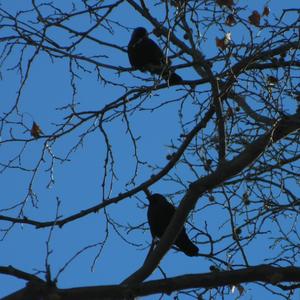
10	270
263	273
229	169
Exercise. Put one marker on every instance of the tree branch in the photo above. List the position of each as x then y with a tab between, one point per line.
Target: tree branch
263	273
154	178
225	171
10	270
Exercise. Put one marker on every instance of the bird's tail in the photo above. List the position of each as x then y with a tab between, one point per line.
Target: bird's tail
186	245
172	78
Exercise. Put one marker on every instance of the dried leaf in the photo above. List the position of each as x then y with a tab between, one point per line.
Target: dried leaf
266	11
272	80
178	3
230	20
229	112
254	19
35	130
228	3
223	43
240	289
220	43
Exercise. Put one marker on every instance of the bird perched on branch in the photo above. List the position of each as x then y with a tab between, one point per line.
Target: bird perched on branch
160	213
145	55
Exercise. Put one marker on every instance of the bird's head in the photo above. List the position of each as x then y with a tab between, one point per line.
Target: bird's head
156	198
139	33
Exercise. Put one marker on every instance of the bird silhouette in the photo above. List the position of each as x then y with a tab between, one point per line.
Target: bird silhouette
145	55
160	213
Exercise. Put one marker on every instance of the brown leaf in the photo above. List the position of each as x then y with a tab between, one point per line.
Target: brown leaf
230	20
240	289
229	112
254	19
178	3
224	42
228	3
35	130
266	11
272	80
220	43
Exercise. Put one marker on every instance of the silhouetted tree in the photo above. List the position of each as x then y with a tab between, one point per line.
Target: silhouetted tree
225	152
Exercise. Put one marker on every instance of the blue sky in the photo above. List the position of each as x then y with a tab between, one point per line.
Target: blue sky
77	182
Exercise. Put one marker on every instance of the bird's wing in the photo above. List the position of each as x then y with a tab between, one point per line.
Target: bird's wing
156	61
155	53
184	243
160	214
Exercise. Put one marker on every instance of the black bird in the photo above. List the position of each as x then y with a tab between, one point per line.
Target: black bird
160	213
145	55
